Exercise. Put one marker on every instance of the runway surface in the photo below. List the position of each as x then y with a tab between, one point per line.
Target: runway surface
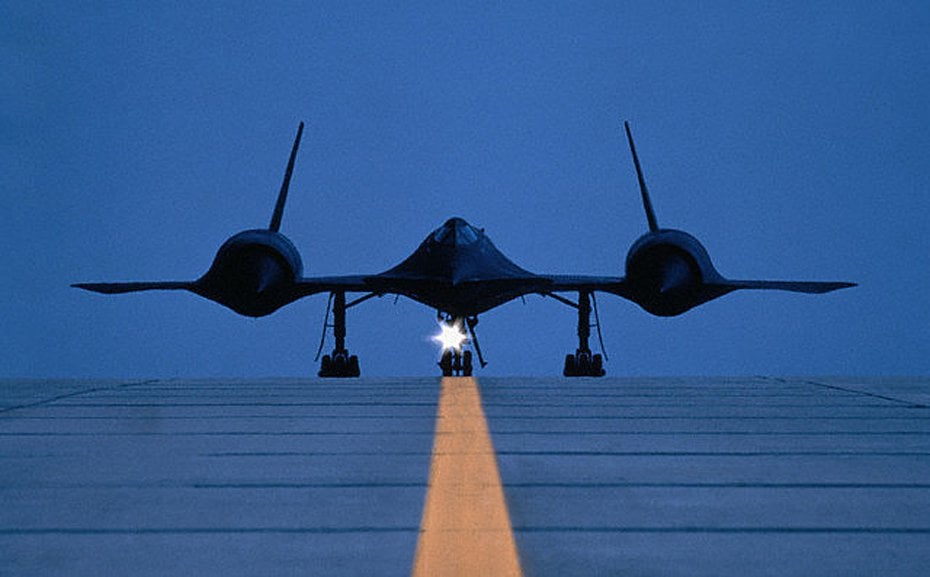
612	476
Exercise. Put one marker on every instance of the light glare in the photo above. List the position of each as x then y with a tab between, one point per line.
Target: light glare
451	336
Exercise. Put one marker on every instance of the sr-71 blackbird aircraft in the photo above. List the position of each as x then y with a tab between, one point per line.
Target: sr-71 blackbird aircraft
458	271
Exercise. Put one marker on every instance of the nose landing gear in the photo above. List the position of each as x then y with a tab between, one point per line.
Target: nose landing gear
455	363
455	360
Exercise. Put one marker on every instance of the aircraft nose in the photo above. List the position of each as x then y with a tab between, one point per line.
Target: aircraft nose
465	234
455	232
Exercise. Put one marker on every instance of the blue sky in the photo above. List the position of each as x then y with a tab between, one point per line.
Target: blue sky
790	137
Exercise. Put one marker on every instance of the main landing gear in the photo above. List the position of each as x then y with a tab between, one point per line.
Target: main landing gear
339	364
583	363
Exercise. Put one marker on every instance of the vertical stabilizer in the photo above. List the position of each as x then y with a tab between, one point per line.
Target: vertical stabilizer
647	203
282	196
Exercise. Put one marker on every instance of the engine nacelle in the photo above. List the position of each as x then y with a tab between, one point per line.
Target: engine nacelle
667	270
253	273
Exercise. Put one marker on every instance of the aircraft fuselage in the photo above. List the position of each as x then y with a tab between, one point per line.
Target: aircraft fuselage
459	271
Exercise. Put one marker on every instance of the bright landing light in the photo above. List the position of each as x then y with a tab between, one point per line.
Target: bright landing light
451	336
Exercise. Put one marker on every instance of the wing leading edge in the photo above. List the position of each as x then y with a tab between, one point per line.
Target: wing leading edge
347	283
687	297
810	287
572	283
113	288
302	287
621	287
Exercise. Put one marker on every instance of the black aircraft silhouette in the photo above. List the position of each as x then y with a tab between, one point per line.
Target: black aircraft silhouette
458	271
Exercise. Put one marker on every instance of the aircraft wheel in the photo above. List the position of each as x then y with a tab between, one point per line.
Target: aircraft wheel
445	363
466	364
597	366
584	365
354	369
326	366
339	365
569	370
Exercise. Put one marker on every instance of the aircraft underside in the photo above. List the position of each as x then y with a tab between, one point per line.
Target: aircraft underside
458	360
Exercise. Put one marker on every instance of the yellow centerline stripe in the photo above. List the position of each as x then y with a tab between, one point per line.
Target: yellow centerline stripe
466	528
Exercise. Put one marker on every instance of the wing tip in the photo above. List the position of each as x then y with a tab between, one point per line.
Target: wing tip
86	286
841	285
810	287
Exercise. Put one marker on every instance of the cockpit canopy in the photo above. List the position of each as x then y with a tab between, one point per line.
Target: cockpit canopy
455	232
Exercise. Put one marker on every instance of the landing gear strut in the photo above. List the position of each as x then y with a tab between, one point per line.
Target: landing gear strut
583	363
340	363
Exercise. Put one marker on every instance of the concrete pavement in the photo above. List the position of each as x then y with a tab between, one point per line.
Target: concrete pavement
688	476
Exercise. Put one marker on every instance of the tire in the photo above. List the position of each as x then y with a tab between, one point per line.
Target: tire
326	366
445	363
597	366
339	365
584	365
569	370
466	364
354	370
